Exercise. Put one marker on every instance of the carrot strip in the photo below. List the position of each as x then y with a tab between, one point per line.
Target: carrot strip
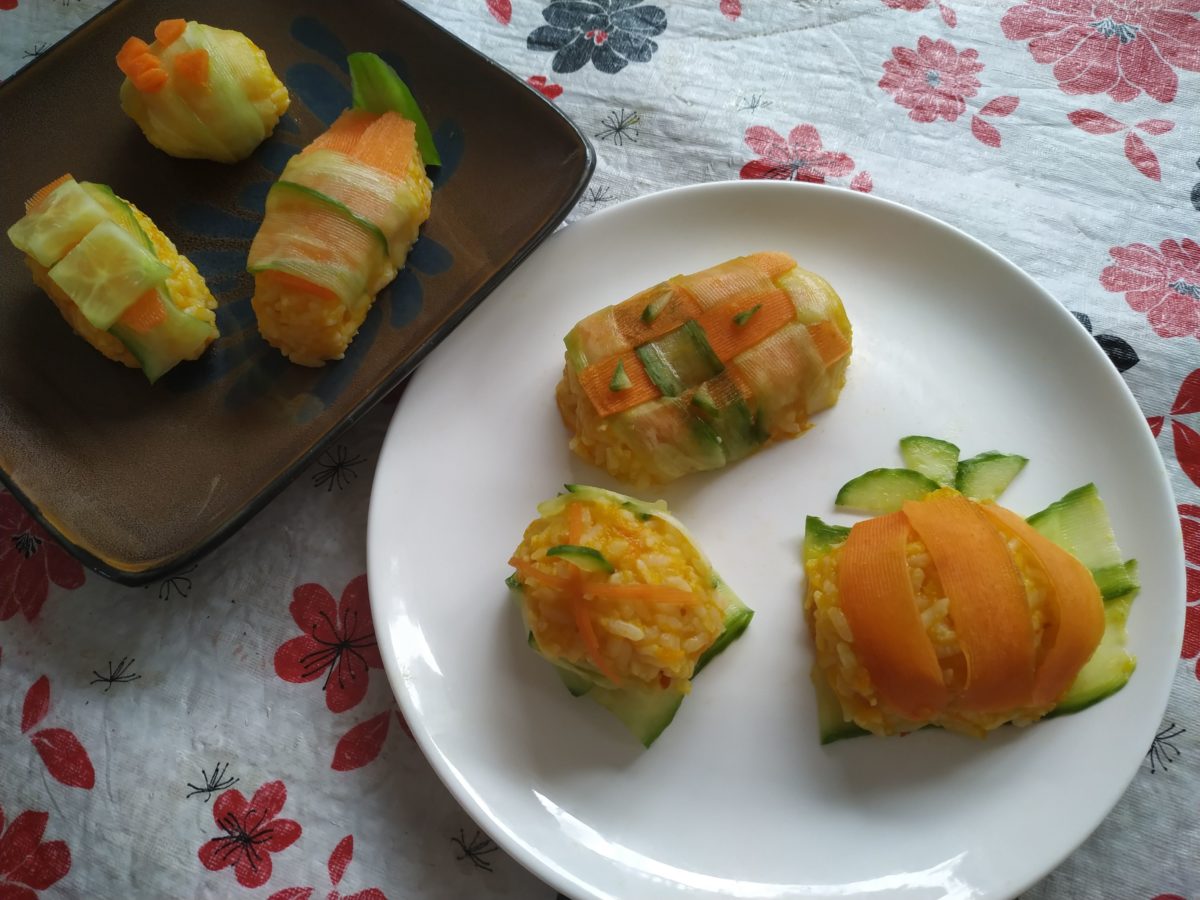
652	313
193	65
130	50
655	593
772	263
168	31
890	639
574	523
529	570
344	133
728	338
295	282
40	196
596	381
734	278
146	313
583	623
987	599
1074	609
388	143
151	81
829	341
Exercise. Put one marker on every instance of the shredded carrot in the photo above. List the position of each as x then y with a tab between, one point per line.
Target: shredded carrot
295	282
168	31
344	133
389	143
574	523
987	599
728	338
1074	609
596	381
583	622
879	605
37	199
131	49
151	81
654	593
529	570
146	313
192	65
829	341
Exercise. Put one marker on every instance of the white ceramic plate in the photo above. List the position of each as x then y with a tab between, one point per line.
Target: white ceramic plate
737	798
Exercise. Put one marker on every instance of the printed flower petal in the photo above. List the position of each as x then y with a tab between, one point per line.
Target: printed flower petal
294	893
766	142
949	16
340	858
368	894
347	684
548	90
985	132
283	833
1118	351
1187	450
216	854
230	802
1144	67
1155	126
46	865
1188	399
253	872
297	660
1000	106
361	744
1143	158
63	569
314	611
65	758
862	182
731	9
1191	632
37	704
21	839
1156	424
15	891
266	803
1094	122
761	168
501	10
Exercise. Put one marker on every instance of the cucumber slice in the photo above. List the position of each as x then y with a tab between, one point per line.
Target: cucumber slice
178	338
1109	668
620	379
821	537
932	457
1079	524
588	559
646	712
119	211
884	490
737	619
106	272
300	190
722	406
680	359
59	222
831	723
986	476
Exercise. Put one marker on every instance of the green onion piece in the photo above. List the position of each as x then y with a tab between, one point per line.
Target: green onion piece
705	403
378	89
620	380
743	317
653	308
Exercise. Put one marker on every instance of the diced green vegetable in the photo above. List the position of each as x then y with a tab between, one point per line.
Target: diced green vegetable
377	88
988	475
884	490
933	458
106	272
655	307
620	380
589	559
743	317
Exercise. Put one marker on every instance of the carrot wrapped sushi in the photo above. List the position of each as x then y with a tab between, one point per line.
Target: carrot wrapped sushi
200	92
704	369
341	219
962	614
617	596
117	280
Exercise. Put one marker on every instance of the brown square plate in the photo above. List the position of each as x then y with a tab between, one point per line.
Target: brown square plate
135	479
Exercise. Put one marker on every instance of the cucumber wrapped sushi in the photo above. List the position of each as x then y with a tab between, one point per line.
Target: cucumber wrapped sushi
704	369
617	596
341	219
200	92
961	614
117	280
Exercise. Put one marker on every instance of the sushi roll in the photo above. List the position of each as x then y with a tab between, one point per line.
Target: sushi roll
341	219
200	92
962	614
703	369
116	279
616	595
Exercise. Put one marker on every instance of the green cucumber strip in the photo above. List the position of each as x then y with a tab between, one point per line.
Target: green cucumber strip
821	537
514	584
589	559
106	272
118	210
1110	667
620	380
882	491
680	359
646	712
933	458
1079	524
59	222
988	475
737	619
575	683
732	423
176	339
378	89
831	724
337	206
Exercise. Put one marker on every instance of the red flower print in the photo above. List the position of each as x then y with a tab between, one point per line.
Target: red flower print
339	860
1163	283
1137	151
501	10
338	642
29	561
252	833
8	4
948	14
26	863
1114	47
547	89
933	81
64	757
1189	517
731	9
799	157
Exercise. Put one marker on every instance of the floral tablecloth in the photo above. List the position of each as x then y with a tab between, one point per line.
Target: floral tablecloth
228	731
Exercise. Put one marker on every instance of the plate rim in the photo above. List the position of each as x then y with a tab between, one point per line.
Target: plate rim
457	785
137	576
